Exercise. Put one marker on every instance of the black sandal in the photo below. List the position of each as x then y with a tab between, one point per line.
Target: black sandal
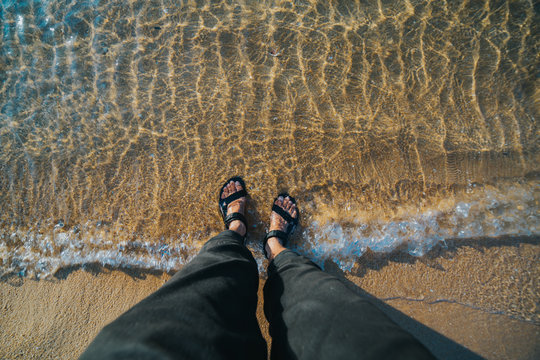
223	203
291	223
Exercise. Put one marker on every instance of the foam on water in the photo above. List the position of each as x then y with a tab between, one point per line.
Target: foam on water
43	255
510	209
481	212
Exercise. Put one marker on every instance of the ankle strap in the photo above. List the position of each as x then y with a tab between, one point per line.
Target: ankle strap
283	236
235	216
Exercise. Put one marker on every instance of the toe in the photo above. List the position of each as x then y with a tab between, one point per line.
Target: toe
237	186
231	187
293	212
289	204
225	191
279	201
286	202
228	190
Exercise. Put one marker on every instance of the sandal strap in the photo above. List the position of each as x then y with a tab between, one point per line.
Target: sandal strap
283	236
284	214
235	216
235	196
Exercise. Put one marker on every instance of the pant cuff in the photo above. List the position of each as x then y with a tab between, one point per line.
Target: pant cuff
285	257
226	236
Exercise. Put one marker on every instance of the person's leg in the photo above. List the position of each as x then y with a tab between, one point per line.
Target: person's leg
206	311
313	315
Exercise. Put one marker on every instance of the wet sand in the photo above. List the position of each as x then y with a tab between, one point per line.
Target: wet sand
492	310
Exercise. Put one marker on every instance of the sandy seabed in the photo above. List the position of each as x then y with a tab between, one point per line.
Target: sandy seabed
464	299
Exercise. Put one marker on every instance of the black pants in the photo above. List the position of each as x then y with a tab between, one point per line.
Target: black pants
207	311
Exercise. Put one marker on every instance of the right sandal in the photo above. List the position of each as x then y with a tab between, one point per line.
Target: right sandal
291	223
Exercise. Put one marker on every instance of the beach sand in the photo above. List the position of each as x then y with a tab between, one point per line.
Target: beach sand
460	300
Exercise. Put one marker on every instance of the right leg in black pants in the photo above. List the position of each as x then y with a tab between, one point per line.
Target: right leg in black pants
313	315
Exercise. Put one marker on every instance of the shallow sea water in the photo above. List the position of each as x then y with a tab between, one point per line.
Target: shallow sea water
395	124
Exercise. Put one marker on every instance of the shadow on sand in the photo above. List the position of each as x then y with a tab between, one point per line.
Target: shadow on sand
441	346
15	279
447	249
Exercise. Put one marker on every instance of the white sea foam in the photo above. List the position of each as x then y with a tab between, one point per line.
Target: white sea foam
43	255
20	24
485	212
481	212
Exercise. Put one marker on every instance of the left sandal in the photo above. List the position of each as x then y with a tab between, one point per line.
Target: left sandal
224	203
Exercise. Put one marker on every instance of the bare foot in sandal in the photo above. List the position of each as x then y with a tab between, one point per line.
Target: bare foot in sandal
282	224
235	206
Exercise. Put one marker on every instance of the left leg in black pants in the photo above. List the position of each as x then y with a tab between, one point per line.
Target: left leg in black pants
206	311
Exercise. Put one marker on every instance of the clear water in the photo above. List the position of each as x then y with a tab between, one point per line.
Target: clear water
395	124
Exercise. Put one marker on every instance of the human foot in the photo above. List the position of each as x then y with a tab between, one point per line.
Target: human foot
283	220
233	198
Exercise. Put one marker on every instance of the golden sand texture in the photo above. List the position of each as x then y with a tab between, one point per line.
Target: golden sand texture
492	309
57	319
500	276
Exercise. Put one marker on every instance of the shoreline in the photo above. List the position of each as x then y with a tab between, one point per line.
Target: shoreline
459	301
